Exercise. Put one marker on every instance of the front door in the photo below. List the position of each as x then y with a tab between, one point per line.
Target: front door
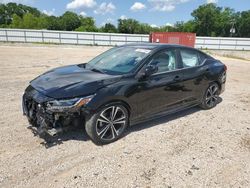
163	89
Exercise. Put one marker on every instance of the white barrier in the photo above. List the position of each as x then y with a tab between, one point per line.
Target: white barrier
222	43
110	39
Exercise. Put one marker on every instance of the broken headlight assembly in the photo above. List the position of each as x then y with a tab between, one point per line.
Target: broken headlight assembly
68	104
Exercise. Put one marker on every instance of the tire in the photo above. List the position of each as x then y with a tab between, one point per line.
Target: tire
210	98
107	124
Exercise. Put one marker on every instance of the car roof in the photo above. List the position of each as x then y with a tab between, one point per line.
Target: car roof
159	46
153	46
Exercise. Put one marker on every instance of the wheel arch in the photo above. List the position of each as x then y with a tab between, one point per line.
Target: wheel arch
118	101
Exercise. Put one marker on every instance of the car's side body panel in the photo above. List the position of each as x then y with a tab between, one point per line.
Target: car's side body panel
161	93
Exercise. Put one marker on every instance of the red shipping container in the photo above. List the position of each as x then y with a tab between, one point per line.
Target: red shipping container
186	39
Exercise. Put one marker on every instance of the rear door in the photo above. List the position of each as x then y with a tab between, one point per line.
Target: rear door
194	80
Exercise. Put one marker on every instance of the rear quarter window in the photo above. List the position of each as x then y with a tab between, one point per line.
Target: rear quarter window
192	58
202	57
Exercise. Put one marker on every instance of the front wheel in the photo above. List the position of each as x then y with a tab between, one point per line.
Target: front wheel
108	124
211	96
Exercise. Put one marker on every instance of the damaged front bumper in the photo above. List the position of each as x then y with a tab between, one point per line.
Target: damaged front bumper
49	120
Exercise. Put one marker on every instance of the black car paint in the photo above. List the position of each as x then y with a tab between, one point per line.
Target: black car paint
144	97
71	81
164	92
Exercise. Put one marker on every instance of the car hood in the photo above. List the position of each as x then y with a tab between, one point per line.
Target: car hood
71	81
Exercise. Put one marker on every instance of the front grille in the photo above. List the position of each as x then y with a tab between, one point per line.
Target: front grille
29	106
35	110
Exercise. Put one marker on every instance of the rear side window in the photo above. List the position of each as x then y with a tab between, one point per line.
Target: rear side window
203	57
190	58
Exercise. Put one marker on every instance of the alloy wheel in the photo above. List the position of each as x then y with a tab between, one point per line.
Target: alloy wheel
111	123
212	95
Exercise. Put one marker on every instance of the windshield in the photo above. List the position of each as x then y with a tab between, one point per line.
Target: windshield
120	60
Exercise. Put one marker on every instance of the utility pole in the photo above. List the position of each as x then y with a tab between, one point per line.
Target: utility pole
232	30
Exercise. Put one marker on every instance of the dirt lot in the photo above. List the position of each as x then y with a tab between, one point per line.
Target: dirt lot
244	55
194	148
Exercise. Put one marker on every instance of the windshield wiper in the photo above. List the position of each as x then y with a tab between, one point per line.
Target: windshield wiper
82	65
97	70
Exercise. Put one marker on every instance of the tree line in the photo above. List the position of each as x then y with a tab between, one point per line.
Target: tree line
207	20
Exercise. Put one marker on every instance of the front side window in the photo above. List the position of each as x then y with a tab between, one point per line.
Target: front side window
189	58
120	60
165	61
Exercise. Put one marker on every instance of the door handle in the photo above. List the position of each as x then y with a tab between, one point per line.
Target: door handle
177	78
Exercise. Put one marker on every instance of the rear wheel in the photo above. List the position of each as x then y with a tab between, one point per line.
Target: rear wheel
210	98
108	124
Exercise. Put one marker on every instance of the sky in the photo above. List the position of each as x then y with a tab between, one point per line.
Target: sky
153	12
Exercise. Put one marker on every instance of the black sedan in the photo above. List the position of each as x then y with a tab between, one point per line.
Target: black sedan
123	86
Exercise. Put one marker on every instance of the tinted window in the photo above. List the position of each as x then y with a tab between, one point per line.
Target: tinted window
190	58
165	61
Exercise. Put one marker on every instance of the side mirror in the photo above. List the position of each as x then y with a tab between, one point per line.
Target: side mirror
149	70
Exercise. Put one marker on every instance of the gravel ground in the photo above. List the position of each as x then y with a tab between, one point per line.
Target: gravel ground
245	55
193	148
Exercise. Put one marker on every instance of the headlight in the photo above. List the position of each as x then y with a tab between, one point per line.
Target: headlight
70	104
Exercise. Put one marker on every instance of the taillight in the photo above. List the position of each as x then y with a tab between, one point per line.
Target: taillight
225	67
